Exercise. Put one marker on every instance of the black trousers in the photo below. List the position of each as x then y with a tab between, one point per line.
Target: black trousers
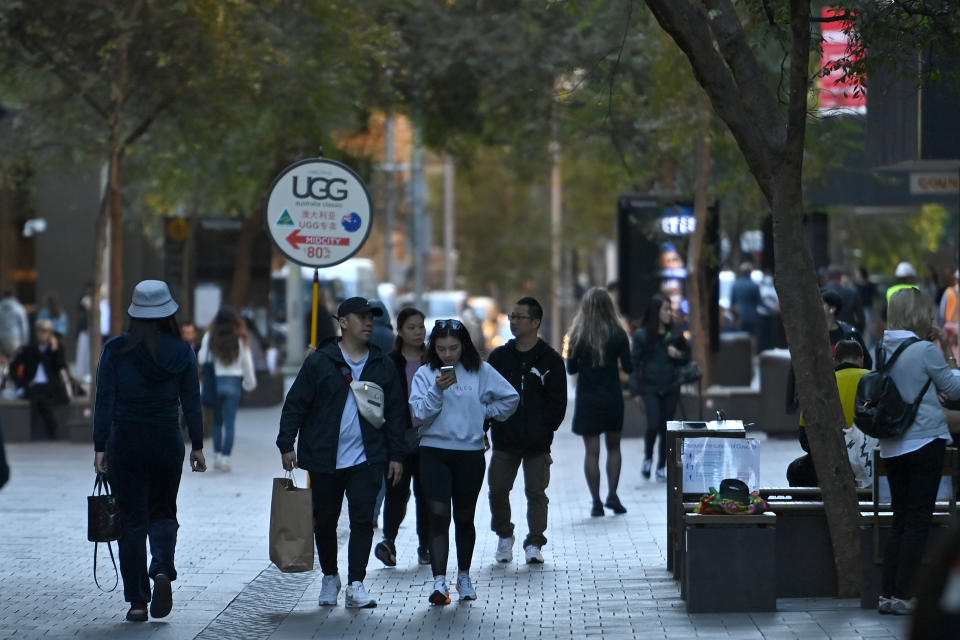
361	484
659	409
914	479
144	465
43	397
397	497
451	477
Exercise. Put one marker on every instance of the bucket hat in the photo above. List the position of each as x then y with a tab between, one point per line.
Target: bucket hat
151	300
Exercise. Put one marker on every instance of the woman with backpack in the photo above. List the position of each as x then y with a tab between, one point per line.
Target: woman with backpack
914	461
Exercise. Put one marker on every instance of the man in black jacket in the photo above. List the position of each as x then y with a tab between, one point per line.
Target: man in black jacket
38	371
343	452
537	372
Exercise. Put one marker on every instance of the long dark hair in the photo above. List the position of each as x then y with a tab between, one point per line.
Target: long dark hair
225	332
469	356
405	314
145	331
651	321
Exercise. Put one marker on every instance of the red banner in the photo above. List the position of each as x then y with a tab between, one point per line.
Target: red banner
838	95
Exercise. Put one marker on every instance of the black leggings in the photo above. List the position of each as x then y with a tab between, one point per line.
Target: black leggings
660	408
451	476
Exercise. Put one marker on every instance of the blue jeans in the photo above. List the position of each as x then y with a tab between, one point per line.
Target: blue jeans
145	462
228	397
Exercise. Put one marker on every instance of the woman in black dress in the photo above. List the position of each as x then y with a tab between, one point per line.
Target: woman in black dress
597	341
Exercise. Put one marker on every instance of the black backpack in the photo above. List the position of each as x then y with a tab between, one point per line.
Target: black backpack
879	410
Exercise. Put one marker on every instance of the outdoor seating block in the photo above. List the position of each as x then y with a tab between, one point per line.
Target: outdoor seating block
729	563
15	420
805	566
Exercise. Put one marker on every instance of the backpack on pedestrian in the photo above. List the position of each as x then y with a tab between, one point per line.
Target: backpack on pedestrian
879	410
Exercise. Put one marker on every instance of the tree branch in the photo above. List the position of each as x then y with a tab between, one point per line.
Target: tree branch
144	125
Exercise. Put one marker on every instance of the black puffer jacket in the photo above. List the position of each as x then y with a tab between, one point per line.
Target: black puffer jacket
539	377
314	406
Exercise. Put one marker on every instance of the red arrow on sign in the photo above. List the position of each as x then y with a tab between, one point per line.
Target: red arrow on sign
295	239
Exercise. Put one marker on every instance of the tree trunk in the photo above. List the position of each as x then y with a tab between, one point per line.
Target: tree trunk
116	247
252	226
712	37
93	315
697	264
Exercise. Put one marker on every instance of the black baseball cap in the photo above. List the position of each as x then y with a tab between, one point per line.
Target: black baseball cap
357	305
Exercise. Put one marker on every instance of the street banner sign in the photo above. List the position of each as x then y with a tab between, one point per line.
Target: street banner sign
318	212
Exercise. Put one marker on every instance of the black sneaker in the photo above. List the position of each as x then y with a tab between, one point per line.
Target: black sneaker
613	502
423	555
162	600
597	509
386	552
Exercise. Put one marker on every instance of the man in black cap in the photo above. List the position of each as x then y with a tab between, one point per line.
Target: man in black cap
344	453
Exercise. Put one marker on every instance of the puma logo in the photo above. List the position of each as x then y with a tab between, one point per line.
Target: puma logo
542	376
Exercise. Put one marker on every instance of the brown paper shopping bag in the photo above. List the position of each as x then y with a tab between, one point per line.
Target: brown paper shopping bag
291	526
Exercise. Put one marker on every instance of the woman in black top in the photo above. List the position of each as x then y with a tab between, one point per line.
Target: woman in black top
658	354
143	378
407	356
596	343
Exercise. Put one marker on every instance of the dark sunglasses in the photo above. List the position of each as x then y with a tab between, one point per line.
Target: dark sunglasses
450	323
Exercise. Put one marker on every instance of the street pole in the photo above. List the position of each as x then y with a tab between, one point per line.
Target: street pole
449	259
418	212
556	259
295	338
390	205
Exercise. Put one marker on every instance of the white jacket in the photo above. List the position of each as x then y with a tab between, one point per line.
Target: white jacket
241	367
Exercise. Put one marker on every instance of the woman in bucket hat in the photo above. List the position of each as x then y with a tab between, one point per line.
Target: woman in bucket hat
143	376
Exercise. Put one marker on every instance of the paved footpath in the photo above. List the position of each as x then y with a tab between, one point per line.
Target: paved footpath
603	577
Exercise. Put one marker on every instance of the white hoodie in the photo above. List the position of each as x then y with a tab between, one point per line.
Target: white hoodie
454	418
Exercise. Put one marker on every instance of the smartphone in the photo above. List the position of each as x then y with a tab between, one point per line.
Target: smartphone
449	369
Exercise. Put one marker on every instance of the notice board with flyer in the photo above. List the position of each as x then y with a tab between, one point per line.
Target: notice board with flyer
707	461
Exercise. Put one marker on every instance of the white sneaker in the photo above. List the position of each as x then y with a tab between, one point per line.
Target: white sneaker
218	461
900	607
440	595
505	549
357	597
533	554
225	463
329	590
465	587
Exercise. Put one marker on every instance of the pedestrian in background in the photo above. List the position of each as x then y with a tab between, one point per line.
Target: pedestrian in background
407	356
342	451
597	343
383	338
226	344
537	373
82	367
745	299
915	460
454	394
144	375
14	325
39	371
658	353
850	310
53	312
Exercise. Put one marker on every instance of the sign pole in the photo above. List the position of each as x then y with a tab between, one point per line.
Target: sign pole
314	307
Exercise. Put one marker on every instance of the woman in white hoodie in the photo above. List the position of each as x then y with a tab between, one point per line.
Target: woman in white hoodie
454	394
226	344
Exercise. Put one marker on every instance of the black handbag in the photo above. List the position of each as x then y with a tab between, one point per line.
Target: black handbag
103	523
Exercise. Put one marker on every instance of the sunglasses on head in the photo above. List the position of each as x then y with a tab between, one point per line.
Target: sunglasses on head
450	323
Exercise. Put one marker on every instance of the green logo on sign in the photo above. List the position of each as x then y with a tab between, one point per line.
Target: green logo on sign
285	219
